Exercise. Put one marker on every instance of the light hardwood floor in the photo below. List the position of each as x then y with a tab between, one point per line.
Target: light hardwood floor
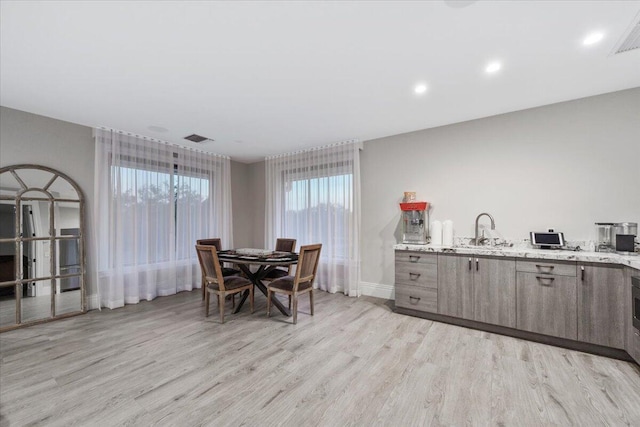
354	363
35	308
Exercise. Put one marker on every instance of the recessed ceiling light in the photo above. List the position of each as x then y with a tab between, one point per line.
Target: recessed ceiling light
457	4
493	67
420	88
592	38
158	129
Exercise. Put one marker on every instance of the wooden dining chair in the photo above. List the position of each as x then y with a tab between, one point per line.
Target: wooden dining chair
226	271
216	282
299	284
282	245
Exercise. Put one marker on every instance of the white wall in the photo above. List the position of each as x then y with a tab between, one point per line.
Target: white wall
562	166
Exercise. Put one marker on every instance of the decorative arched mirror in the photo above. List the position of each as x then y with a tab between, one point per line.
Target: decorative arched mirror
42	262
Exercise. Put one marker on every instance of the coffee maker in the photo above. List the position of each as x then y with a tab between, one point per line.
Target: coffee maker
624	236
616	237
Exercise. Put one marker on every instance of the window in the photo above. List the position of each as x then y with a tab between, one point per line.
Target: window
314	197
154	205
153	201
328	200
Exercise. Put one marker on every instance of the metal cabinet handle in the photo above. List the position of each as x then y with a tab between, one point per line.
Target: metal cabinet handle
477	264
413	258
411	275
550	267
469	264
541	278
413	298
582	273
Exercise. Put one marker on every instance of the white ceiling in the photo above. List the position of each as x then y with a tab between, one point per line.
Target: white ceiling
264	78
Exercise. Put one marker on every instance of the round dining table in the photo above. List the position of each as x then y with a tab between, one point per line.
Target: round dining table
265	261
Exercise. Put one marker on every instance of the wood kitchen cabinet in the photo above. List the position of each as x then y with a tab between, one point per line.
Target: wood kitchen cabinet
416	281
546	298
632	344
601	302
582	305
494	285
477	288
455	289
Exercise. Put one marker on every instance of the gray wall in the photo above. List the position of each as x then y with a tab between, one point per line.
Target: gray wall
258	188
562	166
67	147
248	187
241	190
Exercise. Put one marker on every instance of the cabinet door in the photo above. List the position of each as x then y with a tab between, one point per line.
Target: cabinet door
455	276
547	304
633	335
634	346
601	301
494	291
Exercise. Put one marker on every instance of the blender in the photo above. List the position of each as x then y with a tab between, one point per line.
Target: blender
604	233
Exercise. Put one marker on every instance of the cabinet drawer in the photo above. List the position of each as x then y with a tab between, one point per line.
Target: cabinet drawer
547	304
414	257
422	275
541	266
415	298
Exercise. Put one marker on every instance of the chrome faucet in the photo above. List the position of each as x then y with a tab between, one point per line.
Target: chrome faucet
478	240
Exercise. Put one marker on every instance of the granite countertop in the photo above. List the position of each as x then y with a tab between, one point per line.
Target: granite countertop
527	252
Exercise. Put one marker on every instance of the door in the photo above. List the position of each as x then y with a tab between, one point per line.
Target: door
494	291
69	256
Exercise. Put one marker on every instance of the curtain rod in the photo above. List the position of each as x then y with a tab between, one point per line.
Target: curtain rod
307	150
161	141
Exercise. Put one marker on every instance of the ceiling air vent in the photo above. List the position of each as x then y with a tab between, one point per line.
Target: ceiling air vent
630	39
197	138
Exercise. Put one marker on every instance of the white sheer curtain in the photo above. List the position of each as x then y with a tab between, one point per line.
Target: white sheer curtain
314	196
152	202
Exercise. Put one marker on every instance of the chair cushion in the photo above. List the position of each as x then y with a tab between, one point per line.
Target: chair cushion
276	273
230	283
229	271
286	284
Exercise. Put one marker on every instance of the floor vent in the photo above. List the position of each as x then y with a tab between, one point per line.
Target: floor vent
197	138
630	39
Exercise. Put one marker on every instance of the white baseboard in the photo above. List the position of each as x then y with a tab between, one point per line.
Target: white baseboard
378	290
93	302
